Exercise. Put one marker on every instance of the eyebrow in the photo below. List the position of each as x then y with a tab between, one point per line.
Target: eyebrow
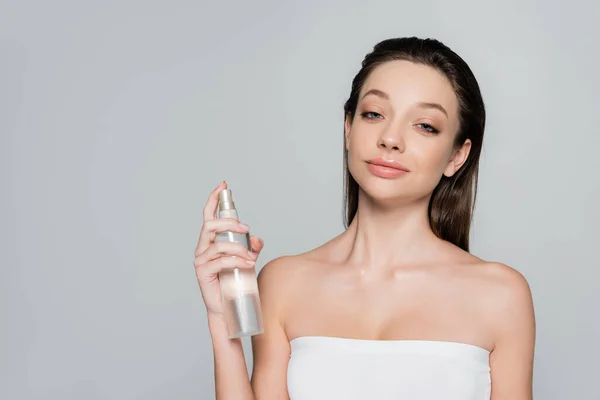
377	93
434	106
421	104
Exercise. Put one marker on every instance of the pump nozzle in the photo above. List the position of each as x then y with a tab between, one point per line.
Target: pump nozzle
226	205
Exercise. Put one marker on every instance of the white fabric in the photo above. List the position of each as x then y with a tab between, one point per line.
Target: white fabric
329	368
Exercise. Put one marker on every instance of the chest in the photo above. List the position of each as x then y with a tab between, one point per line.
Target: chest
411	308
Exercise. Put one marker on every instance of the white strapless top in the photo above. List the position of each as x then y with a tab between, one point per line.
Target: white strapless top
329	368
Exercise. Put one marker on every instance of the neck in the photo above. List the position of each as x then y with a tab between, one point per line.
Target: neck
381	236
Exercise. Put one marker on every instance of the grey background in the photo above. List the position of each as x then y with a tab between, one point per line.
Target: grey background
117	118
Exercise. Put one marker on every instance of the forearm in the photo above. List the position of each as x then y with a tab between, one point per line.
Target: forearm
231	374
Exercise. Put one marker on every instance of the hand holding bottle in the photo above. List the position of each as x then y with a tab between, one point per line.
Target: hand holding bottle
211	258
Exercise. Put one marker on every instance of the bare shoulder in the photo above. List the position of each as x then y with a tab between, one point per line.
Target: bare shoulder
501	287
507	308
271	350
278	277
272	281
288	269
277	272
493	277
271	271
507	285
507	304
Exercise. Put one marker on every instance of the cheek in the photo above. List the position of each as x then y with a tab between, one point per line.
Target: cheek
356	158
432	159
359	145
353	159
429	164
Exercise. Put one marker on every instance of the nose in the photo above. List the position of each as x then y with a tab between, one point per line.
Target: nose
392	139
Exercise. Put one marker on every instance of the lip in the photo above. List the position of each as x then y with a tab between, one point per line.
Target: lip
386	168
388	163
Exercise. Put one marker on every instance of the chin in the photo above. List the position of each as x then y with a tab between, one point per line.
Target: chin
380	189
390	192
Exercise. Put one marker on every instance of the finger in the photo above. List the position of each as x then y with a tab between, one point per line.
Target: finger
225	249
215	266
256	244
210	209
224	224
212	227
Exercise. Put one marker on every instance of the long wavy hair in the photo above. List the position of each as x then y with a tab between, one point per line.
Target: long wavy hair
452	202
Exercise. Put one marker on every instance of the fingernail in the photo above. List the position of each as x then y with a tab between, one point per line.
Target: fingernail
249	262
243	226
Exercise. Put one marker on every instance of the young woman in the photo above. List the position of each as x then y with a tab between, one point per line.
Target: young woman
395	307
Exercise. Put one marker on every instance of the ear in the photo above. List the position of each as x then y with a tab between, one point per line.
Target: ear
347	127
458	158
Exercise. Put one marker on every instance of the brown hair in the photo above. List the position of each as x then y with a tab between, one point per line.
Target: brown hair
453	200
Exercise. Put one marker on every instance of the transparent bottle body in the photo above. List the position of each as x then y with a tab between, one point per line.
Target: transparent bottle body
239	292
241	302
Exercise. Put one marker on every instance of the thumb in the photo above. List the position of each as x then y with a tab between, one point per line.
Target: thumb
257	244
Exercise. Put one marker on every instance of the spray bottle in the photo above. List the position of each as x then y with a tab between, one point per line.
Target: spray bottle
239	286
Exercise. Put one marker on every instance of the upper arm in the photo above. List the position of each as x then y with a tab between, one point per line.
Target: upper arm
271	350
511	360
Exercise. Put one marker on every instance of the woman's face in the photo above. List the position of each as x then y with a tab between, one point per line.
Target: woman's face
407	113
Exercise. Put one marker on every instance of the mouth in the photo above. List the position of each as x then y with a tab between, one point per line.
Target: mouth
386	169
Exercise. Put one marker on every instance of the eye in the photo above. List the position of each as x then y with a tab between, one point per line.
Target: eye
427	128
371	115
